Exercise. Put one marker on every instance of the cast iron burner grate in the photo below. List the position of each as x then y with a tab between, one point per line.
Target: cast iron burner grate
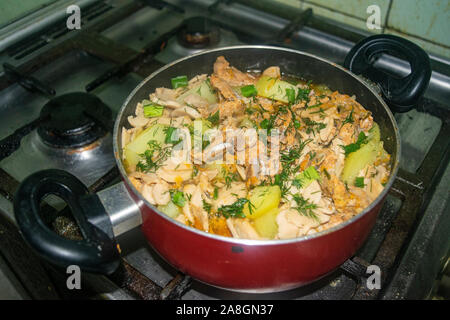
74	120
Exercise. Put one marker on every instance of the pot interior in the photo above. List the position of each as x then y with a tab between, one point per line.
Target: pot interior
290	62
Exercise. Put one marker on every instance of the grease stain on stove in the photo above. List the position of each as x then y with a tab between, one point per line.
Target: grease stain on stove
83	149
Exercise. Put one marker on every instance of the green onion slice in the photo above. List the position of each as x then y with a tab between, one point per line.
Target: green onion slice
180	81
249	91
178	198
305	178
153	110
359	182
264	124
290	94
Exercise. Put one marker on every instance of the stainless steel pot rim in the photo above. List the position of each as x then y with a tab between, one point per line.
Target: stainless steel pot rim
248	242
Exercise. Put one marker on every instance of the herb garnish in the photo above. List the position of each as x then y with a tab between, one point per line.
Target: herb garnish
298	183
249	111
320	111
314	106
290	95
349	118
230	177
302	94
194	172
178	198
207	206
153	110
359	182
268	124
249	91
216	193
180	81
352	147
306	177
288	158
235	210
313	126
326	173
153	157
304	207
169	132
214	119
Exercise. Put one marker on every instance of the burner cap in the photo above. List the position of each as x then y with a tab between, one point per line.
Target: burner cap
199	33
74	120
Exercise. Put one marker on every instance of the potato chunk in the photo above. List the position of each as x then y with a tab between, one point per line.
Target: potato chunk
140	144
266	225
263	199
170	209
273	88
364	156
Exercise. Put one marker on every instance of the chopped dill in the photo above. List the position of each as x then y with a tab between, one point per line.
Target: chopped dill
313	126
349	118
207	206
236	210
302	94
214	119
352	147
326	173
304	207
314	106
153	157
229	177
288	158
320	111
178	198
359	182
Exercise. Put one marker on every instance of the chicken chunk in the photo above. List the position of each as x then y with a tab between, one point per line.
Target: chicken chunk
242	229
231	75
273	72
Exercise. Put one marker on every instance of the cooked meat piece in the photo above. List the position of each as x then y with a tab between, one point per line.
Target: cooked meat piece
224	88
242	229
230	108
231	75
273	72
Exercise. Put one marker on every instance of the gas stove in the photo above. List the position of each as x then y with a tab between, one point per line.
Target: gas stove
60	91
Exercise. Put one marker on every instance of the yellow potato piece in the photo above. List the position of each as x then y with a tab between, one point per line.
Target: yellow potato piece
266	225
140	143
263	199
170	209
366	155
273	88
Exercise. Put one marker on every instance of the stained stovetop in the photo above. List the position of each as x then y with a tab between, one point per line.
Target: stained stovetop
112	53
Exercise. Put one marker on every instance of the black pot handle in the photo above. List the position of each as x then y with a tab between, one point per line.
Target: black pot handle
400	94
96	253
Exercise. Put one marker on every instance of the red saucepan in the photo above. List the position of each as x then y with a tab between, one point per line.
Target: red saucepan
247	265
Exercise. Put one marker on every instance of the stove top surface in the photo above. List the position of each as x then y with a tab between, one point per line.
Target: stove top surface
118	47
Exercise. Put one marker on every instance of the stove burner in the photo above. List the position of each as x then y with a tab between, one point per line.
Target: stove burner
74	120
198	33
